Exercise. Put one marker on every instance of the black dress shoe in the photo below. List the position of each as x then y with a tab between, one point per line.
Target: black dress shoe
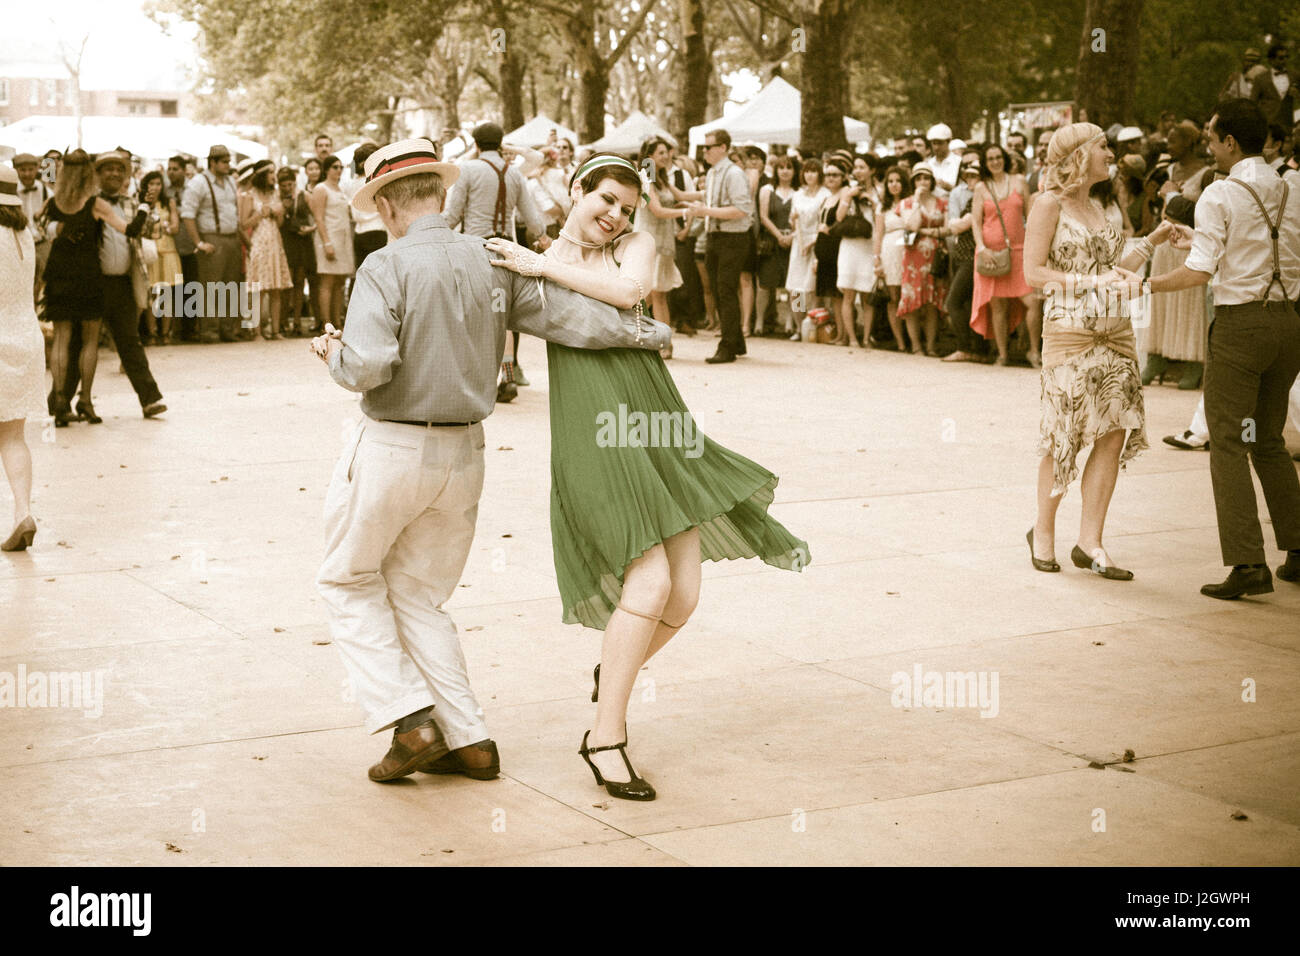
1290	571
1081	560
1039	564
1243	579
507	392
87	413
153	409
720	356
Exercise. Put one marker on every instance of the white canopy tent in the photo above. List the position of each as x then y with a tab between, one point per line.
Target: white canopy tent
772	116
536	130
152	137
628	136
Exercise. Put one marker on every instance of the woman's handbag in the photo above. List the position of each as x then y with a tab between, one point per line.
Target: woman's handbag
854	225
995	262
939	265
878	295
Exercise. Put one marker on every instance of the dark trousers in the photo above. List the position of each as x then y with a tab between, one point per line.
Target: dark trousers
189	324
961	292
686	302
122	319
725	258
1251	364
222	265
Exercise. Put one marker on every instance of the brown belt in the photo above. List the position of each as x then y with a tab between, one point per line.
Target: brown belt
430	424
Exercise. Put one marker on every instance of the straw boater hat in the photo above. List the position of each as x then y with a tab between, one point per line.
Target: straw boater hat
9	187
406	158
118	155
244	171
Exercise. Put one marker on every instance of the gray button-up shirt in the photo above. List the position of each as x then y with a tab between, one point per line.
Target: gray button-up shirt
427	321
196	203
114	247
473	198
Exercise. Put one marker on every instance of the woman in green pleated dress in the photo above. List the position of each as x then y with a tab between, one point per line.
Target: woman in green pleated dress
639	497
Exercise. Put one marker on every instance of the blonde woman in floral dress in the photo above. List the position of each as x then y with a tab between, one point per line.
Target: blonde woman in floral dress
261	210
1091	387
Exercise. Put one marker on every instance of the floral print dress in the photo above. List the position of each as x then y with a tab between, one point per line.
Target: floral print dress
1100	391
920	287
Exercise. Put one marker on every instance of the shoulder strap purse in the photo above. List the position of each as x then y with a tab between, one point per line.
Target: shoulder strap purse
995	262
1273	228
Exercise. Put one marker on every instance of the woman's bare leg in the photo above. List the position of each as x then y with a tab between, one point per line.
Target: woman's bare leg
998	314
895	323
17	459
1045	523
683	552
931	327
647	583
710	308
913	320
1034	323
1098	484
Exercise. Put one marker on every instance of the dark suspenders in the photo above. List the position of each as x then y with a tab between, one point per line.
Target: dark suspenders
1274	230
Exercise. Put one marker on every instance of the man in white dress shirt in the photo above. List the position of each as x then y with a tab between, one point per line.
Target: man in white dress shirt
1248	239
32	193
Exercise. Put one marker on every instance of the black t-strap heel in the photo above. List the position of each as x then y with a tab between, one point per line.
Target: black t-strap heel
634	789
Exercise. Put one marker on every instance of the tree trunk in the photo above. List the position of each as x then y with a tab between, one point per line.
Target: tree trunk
694	97
824	88
509	73
1106	77
593	74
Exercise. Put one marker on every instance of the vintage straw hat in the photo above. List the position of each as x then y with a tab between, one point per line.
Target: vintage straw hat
118	155
9	187
406	158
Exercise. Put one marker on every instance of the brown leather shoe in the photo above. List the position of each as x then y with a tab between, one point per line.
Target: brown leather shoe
479	761
408	751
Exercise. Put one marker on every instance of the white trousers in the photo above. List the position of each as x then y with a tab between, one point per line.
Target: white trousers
399	520
1201	431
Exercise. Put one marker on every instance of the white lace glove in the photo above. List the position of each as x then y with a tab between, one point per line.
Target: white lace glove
516	258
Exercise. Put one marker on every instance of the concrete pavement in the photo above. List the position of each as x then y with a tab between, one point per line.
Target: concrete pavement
176	559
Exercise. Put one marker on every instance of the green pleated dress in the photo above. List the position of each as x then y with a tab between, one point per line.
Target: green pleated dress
620	483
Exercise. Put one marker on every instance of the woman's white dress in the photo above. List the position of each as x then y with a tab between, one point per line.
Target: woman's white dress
22	346
801	276
339	226
891	246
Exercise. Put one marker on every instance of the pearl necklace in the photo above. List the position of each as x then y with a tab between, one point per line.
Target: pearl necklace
564	234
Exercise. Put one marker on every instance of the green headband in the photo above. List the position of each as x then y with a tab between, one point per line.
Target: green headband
598	161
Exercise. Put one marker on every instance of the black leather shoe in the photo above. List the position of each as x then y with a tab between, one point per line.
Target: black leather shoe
633	789
720	356
153	409
1290	571
1081	560
1039	564
507	392
1243	579
87	413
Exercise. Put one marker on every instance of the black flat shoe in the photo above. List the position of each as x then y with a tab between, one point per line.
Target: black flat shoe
1242	580
1039	564
87	413
1081	560
634	789
595	692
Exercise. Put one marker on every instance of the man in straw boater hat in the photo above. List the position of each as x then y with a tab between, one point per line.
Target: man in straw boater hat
1247	239
424	336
